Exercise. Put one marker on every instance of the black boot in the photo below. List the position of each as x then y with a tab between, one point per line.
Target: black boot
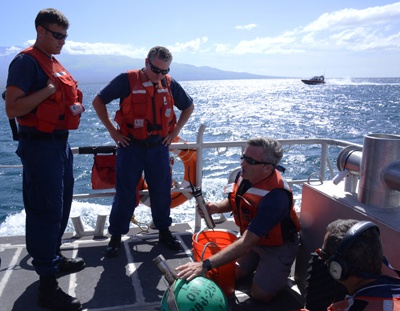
165	237
52	297
113	246
70	265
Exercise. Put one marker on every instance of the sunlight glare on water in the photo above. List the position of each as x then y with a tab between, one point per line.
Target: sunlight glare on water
346	109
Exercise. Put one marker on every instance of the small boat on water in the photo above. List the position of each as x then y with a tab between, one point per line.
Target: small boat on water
314	80
365	186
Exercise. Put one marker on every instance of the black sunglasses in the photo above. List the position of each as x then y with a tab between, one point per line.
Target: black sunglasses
56	35
251	161
158	70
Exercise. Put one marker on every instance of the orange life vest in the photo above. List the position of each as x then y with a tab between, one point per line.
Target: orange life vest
248	205
63	109
148	110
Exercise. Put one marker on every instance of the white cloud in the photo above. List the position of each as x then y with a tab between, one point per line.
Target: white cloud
262	45
190	46
85	48
354	18
102	48
222	48
12	50
349	29
246	27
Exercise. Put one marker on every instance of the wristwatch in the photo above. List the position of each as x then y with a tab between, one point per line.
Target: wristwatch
207	264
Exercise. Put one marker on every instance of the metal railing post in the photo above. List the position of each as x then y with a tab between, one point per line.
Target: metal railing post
199	172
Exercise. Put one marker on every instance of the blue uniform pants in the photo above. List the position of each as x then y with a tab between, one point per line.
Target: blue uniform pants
47	192
131	162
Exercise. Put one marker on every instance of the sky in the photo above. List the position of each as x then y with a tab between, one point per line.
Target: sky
291	38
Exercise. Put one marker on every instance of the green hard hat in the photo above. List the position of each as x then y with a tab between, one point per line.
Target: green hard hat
198	294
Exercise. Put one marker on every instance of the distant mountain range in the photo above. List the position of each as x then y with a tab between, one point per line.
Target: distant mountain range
102	68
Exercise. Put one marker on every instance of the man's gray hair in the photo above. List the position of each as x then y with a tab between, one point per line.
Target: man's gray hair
160	52
273	151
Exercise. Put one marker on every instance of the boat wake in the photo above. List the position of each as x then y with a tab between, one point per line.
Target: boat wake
358	81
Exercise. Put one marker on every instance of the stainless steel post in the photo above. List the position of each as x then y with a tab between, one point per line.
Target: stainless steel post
379	151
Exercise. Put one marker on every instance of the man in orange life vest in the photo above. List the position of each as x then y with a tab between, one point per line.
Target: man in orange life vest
45	99
146	127
262	205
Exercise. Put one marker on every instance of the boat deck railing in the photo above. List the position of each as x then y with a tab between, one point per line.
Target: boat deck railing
325	160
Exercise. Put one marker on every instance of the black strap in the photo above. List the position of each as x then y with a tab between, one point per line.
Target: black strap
280	168
14	129
154	127
145	144
97	149
172	306
44	136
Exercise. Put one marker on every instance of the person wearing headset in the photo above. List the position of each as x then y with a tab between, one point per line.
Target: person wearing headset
353	253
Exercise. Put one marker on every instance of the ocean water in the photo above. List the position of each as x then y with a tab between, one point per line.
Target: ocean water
346	109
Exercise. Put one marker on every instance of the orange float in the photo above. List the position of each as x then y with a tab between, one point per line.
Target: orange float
188	158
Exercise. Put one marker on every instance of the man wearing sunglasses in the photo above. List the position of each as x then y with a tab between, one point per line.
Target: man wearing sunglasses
46	102
147	125
262	205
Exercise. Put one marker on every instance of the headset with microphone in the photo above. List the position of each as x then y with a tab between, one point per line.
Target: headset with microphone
338	265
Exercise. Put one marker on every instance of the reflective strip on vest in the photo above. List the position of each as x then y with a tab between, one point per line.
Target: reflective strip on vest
59	74
148	83
257	191
286	184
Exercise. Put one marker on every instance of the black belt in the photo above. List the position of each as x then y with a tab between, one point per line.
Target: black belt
144	144
44	136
